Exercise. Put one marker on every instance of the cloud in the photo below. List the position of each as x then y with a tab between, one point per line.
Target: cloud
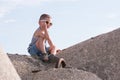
6	6
38	2
10	21
3	11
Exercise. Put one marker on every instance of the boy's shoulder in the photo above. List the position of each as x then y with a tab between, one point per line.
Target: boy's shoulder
37	31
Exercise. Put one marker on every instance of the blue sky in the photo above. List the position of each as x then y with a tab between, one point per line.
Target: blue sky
73	21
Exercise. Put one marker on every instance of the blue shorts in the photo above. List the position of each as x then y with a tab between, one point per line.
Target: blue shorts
37	54
34	51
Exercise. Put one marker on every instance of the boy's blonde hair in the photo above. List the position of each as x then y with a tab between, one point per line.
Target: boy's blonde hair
44	16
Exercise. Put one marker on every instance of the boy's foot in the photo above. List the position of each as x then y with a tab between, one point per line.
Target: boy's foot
45	57
61	63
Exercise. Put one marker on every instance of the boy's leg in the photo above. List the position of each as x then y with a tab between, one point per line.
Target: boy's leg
54	59
60	62
40	44
33	51
53	51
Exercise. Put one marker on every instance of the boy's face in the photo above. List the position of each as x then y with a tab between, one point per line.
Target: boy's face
46	22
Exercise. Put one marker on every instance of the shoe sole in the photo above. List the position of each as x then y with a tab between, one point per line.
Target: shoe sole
61	63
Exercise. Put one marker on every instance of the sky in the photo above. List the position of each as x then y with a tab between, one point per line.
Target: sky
74	21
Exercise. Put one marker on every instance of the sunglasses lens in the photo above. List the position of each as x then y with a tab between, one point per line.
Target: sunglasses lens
47	22
51	24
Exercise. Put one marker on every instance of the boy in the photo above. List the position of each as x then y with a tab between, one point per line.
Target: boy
37	47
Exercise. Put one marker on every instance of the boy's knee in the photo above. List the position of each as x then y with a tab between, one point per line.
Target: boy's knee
54	49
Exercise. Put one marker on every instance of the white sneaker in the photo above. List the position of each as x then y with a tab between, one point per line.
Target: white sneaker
61	63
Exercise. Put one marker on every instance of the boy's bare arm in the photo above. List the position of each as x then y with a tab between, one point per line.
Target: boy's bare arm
39	33
48	38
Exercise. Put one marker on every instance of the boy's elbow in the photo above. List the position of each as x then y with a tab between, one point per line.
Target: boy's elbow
47	38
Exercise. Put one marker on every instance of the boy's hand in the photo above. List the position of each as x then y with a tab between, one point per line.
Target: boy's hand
44	25
52	47
58	50
46	31
45	57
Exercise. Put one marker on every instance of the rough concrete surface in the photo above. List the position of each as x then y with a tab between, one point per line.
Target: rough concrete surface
65	74
7	70
95	59
25	65
99	55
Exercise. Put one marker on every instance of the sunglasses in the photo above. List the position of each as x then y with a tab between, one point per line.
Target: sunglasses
47	22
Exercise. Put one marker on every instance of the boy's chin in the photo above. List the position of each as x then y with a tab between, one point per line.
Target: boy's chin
48	27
